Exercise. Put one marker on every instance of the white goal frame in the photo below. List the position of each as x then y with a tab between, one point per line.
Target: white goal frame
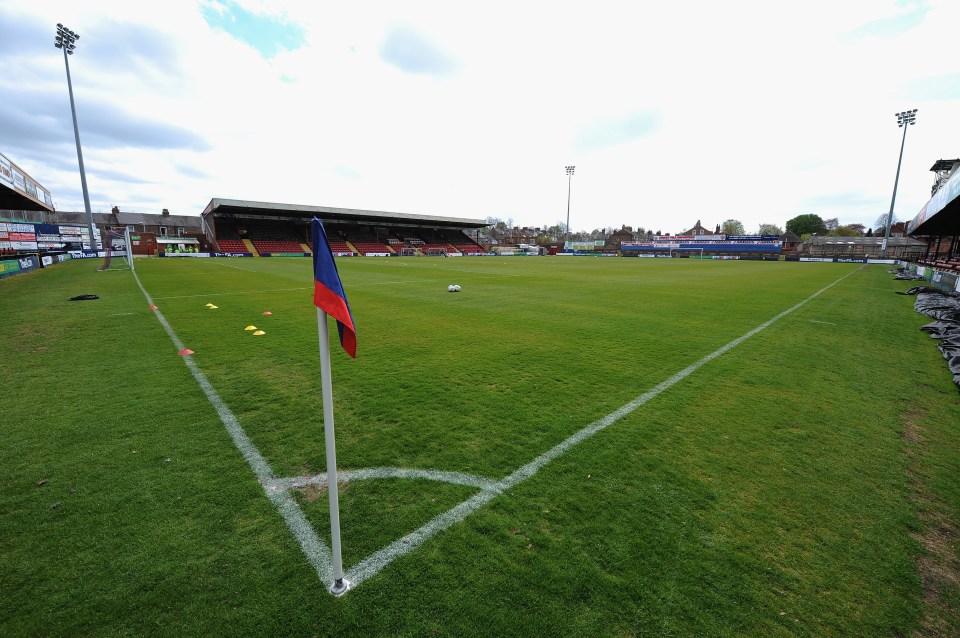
111	235
672	250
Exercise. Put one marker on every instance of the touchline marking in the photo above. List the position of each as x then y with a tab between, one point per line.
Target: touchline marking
317	553
371	565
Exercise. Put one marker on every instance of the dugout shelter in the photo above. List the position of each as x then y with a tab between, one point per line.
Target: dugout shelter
243	227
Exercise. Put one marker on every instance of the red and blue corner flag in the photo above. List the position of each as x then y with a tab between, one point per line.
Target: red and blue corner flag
328	293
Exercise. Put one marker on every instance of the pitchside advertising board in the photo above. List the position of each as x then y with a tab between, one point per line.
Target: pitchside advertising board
12	176
11	267
584	246
32	237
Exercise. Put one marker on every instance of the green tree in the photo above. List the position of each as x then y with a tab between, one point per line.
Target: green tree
846	231
732	227
880	225
806	224
769	229
557	230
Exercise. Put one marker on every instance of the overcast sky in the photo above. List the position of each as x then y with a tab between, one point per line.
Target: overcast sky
671	111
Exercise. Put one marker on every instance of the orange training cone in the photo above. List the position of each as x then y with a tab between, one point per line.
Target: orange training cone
153	307
267	313
185	352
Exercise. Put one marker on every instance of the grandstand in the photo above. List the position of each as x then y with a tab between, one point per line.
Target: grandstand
263	228
707	246
938	222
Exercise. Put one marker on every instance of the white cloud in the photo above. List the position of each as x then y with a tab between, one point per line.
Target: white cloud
671	112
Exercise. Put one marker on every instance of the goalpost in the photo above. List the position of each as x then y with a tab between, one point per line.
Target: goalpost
118	241
692	250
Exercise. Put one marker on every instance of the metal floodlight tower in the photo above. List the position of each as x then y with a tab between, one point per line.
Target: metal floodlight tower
66	40
570	170
904	120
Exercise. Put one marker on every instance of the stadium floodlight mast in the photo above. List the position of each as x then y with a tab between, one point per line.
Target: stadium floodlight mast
904	120
570	170
67	40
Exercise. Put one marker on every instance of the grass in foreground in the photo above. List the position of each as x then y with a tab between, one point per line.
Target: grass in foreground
773	492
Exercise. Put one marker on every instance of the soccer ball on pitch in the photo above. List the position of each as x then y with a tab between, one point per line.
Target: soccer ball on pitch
456	287
450	288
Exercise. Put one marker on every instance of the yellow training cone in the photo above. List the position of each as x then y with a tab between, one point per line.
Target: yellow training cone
250	328
258	333
212	307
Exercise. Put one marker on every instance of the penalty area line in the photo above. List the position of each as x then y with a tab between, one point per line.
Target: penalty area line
371	565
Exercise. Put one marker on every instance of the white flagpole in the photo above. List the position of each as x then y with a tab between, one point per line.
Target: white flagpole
340	585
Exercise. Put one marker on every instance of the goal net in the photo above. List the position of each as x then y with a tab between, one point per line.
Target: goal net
693	253
119	245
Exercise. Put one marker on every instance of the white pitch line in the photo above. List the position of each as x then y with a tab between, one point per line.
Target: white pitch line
121	314
371	565
317	553
345	476
823	322
217	262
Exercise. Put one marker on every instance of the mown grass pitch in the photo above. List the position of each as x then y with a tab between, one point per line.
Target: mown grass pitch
783	488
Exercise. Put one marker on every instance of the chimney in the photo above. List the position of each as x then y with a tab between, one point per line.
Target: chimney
115	210
165	212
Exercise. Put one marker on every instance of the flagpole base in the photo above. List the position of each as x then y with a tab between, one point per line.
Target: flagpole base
339	587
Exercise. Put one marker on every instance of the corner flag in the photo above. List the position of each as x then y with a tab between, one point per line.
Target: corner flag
329	299
328	292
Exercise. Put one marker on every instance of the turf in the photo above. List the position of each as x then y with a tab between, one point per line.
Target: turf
785	488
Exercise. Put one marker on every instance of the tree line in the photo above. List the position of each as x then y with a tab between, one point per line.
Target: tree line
804	226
